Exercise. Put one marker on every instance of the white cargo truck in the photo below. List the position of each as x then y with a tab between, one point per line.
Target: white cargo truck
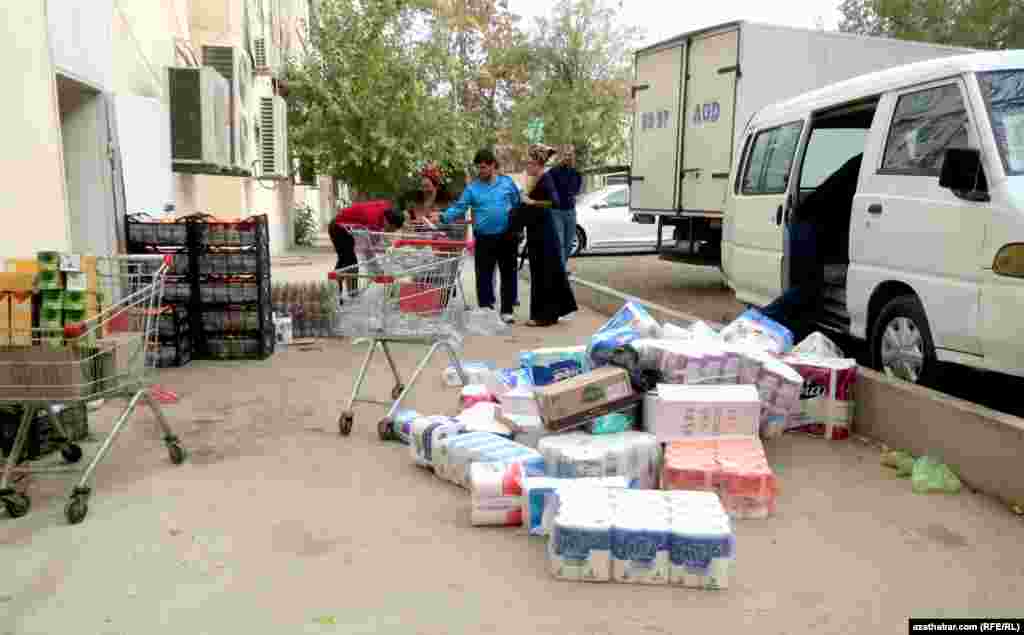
696	93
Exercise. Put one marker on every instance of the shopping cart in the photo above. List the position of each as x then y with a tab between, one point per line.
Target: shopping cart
404	296
105	356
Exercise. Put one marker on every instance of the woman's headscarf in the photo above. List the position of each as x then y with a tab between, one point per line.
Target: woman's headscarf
540	153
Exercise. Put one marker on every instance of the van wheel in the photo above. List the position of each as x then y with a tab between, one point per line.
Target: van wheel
901	341
580	243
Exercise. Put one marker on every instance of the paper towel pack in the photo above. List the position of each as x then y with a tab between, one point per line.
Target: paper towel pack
496	494
826	400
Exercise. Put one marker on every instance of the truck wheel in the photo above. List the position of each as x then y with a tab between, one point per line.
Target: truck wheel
901	341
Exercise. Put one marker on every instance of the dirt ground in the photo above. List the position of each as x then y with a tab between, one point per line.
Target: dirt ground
278	525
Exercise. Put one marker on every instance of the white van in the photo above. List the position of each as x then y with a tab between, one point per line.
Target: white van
924	243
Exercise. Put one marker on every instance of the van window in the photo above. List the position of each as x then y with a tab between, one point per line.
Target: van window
827	151
771	158
924	125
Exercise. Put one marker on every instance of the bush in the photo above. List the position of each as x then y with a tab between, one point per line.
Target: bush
306	225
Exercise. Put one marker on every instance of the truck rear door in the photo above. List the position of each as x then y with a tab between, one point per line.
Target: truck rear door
655	163
708	120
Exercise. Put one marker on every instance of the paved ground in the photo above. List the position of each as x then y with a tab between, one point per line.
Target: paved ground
278	525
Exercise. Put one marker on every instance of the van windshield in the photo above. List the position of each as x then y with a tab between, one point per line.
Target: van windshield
1004	95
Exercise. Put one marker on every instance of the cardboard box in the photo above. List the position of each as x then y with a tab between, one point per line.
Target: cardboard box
587	416
21	319
562	400
18	265
5	320
13	282
38	373
692	411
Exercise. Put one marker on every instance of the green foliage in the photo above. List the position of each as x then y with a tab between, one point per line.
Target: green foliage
306	225
359	106
982	24
580	63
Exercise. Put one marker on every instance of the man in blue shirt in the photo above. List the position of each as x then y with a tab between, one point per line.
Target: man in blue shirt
491	197
568	183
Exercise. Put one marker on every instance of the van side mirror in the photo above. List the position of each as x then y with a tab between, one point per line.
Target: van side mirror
963	173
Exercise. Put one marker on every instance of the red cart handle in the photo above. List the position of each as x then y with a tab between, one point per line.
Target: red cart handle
423	242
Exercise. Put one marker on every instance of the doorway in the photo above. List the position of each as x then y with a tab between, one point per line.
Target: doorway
88	167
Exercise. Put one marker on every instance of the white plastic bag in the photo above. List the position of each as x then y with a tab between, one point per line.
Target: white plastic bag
818	345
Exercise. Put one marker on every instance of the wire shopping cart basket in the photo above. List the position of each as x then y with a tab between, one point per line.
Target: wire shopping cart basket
405	296
108	353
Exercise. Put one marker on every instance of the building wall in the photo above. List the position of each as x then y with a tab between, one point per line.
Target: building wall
32	202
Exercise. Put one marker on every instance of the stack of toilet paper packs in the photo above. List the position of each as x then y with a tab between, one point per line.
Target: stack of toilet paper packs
641	537
456	453
539	493
634	455
734	468
426	434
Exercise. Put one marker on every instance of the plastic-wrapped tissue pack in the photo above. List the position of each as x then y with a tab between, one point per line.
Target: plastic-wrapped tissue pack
779	387
826	401
546	366
456	454
473	394
641	537
675	412
426	436
734	468
758	331
632	454
476	373
539	493
633	315
496	494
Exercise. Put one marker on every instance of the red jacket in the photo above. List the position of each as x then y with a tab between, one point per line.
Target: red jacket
367	214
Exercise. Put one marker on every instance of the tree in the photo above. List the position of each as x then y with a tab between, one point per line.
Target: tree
580	61
982	24
361	106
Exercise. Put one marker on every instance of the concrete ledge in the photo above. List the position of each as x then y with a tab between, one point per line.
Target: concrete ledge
983	446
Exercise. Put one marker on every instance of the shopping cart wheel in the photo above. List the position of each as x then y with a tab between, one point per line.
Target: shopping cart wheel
71	452
176	452
77	509
385	429
396	392
17	505
345	424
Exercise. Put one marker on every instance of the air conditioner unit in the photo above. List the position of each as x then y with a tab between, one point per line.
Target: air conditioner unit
274	137
268	57
199	100
233	64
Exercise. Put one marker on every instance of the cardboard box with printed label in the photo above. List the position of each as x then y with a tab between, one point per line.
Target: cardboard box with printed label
582	393
692	411
5	320
19	265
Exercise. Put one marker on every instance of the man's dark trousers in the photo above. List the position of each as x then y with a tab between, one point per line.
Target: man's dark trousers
500	250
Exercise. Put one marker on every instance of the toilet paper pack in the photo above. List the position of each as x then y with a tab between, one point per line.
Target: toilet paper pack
735	469
426	435
540	494
403	425
457	453
632	454
646	537
779	387
474	394
635	316
496	480
759	331
496	512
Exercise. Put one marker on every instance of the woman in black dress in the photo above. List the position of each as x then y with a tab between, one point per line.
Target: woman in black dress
551	295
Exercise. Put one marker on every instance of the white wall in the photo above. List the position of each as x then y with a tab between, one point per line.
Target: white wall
80	36
144	135
32	206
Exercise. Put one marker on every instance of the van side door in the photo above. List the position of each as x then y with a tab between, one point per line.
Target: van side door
908	232
759	210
